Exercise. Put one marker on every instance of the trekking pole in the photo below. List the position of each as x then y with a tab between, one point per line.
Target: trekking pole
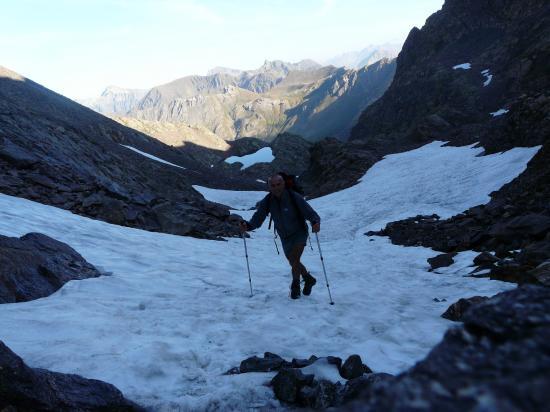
310	245
247	264
324	270
275	241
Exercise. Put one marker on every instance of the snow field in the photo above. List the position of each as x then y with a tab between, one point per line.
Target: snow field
175	314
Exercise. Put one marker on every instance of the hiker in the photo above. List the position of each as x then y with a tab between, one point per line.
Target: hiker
288	210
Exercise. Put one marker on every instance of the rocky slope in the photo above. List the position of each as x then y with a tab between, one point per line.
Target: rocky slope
57	152
511	39
334	107
504	43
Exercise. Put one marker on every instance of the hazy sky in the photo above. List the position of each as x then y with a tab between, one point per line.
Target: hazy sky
77	47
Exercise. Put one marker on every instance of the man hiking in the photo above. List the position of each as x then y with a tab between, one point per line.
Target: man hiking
288	210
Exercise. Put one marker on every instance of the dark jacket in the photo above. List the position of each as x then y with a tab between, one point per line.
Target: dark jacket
286	218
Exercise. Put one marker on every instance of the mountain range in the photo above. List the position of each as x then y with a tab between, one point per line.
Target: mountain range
303	98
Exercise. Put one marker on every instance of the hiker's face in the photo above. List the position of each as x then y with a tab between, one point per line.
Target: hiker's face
277	186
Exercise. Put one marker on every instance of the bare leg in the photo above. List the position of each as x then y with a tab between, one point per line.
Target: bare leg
294	260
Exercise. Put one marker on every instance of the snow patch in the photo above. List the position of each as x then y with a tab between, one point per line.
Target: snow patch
151	156
488	77
499	112
463	66
264	155
482	272
324	371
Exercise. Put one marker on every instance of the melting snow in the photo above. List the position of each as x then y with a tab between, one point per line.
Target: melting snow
151	156
463	66
499	112
175	313
264	155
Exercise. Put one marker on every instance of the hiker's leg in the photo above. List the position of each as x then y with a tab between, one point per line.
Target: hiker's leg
294	260
303	269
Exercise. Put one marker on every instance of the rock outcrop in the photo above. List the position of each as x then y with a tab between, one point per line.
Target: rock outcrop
35	266
31	389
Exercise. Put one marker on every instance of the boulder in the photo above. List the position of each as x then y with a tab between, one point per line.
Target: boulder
353	368
35	266
28	389
443	260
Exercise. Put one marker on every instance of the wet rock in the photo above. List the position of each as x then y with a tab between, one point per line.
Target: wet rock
36	265
456	311
28	389
443	260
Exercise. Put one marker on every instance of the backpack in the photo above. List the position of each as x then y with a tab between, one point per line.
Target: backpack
291	182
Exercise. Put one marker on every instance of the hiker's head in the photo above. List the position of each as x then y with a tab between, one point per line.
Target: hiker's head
276	185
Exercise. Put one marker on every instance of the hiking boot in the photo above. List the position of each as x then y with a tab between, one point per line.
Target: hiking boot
310	281
295	289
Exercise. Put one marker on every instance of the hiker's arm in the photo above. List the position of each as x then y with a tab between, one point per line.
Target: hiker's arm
259	216
307	211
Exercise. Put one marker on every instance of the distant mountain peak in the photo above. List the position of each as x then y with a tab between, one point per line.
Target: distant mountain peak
267	66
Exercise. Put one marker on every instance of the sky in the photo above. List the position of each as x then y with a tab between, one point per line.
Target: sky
78	47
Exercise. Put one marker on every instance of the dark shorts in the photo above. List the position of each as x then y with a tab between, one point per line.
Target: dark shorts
298	238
